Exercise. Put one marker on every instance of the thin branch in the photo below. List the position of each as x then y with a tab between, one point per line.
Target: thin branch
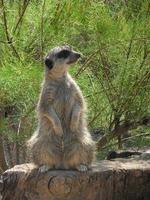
85	65
126	139
135	92
42	30
129	48
136	86
93	94
21	16
58	11
119	130
125	68
105	64
148	10
145	54
106	92
95	117
5	22
32	108
8	37
4	42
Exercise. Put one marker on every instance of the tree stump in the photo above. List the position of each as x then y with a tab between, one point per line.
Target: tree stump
107	180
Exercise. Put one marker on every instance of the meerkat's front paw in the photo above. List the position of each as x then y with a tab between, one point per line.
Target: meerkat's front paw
59	131
44	168
73	127
82	168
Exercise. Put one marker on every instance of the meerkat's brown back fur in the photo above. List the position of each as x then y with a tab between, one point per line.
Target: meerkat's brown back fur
62	139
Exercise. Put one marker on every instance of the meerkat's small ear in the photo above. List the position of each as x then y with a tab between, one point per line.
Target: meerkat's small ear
49	63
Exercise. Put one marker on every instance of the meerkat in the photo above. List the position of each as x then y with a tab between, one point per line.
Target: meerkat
62	139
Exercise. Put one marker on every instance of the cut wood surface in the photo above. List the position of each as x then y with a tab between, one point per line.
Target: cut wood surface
107	180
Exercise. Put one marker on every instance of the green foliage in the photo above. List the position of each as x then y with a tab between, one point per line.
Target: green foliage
113	36
19	84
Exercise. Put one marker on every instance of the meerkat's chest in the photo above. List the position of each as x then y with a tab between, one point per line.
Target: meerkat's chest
64	98
64	94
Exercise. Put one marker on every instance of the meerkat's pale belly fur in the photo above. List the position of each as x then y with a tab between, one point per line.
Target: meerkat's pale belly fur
66	143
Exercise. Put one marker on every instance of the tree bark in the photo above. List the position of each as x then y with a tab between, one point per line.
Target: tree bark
107	180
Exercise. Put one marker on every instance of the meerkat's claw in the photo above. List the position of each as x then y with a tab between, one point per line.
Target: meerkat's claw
44	168
82	168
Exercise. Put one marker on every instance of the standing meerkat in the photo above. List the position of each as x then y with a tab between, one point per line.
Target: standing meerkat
62	139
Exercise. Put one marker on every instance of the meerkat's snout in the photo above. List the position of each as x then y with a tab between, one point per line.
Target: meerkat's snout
74	56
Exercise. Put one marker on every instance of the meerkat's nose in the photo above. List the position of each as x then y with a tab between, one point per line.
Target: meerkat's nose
78	55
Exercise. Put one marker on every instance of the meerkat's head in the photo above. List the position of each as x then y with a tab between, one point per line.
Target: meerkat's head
59	58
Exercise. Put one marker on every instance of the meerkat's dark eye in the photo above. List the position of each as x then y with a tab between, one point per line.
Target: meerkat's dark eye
63	54
49	63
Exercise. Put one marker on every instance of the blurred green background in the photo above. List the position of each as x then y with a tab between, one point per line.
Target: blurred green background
113	36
